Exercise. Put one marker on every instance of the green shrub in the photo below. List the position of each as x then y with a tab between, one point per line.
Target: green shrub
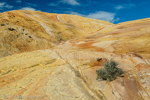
11	29
110	71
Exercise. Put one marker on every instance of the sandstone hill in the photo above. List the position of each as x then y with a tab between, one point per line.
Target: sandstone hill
30	30
54	57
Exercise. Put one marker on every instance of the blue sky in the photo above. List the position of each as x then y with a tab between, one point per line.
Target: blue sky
114	11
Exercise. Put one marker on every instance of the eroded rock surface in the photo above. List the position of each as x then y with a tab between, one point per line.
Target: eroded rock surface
23	31
66	69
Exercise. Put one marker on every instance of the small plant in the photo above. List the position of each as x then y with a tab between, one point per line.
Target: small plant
11	29
2	24
110	71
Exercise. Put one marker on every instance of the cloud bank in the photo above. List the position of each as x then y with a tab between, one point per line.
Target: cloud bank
4	6
28	8
124	6
101	15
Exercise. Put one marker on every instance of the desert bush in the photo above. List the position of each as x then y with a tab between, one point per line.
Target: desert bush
11	29
110	71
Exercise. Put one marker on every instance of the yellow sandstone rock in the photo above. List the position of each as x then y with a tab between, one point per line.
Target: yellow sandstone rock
48	56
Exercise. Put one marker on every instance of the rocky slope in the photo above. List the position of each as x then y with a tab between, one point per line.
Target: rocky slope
66	71
23	31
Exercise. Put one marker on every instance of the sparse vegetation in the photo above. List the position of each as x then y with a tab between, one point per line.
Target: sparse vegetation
2	24
29	36
110	71
11	29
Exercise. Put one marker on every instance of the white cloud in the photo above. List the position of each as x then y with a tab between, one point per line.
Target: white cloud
119	7
18	1
124	6
75	13
101	15
70	2
28	8
4	6
8	6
